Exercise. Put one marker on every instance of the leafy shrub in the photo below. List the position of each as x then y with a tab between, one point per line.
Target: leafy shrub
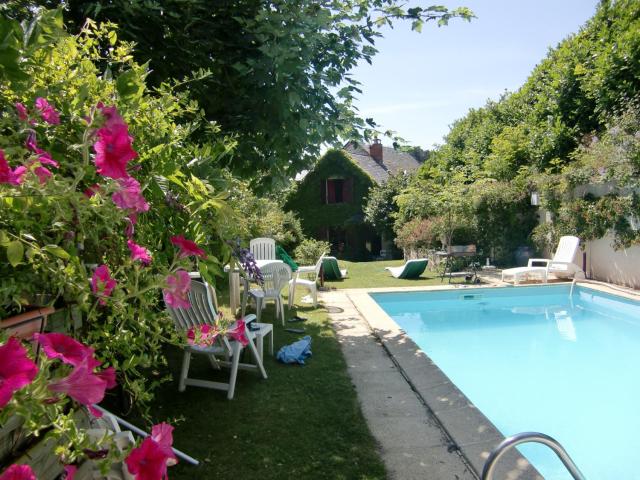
308	252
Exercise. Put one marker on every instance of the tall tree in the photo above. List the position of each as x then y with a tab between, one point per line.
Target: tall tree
280	71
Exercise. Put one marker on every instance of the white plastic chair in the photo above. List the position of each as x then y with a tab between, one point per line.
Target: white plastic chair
311	285
203	311
561	265
263	248
275	276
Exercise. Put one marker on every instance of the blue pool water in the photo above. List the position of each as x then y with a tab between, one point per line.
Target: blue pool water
534	359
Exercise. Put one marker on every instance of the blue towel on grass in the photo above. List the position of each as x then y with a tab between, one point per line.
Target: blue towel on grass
296	352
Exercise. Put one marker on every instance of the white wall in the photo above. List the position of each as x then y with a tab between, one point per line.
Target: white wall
621	267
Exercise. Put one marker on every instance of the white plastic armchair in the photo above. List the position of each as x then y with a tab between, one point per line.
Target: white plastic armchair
263	248
275	276
203	311
309	284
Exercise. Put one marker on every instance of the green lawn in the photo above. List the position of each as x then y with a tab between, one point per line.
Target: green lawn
302	422
373	274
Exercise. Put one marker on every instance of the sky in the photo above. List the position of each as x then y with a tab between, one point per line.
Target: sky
420	83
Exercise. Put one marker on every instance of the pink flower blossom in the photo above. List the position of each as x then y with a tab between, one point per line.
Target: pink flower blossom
83	386
113	147
129	197
150	460
102	284
23	114
176	293
18	472
239	332
67	349
202	335
109	376
43	174
7	175
44	158
17	370
47	112
139	253
187	247
111	116
70	472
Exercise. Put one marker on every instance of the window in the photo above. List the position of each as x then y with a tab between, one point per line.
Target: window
337	190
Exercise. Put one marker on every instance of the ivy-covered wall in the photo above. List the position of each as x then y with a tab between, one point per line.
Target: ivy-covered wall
309	203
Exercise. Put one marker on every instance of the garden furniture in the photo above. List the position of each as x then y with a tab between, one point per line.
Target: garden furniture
411	269
331	270
561	265
275	276
203	314
309	284
263	248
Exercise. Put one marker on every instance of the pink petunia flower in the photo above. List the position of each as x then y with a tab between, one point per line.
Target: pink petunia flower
109	376
139	253
102	284
129	197
7	175
47	112
23	114
176	293
44	158
17	370
67	349
202	335
187	247
18	472
111	116
83	386
43	174
239	332
70	472
114	145
150	460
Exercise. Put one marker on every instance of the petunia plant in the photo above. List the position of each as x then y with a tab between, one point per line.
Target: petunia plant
100	211
46	397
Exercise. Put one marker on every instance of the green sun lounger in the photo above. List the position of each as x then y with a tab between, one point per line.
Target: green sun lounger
411	269
330	269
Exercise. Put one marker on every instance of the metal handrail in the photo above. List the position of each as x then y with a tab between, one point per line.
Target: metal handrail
526	437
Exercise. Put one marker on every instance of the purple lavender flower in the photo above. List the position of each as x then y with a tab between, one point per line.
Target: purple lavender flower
247	262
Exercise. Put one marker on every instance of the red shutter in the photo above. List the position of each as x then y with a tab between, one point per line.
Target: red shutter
347	190
331	191
323	191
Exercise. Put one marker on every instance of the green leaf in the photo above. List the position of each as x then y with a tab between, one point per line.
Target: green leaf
57	251
15	252
129	84
4	238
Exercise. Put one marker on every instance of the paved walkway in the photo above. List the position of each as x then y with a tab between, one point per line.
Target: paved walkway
412	444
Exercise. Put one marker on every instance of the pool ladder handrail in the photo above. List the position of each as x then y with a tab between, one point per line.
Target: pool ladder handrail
527	437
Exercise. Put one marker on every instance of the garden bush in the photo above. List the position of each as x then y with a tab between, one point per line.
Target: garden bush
309	251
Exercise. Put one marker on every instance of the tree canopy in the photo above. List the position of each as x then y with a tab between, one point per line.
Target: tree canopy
574	122
279	72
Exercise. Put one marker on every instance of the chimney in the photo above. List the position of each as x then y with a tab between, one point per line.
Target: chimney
375	150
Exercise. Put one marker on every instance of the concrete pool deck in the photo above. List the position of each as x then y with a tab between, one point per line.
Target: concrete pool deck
426	427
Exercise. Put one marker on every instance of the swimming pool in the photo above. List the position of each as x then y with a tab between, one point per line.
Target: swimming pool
538	359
